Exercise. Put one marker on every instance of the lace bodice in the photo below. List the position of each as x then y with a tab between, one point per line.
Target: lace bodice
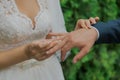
17	29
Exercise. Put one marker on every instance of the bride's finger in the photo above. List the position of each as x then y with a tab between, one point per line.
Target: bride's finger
58	46
97	19
40	56
52	44
77	26
92	20
87	22
44	43
81	23
43	57
39	46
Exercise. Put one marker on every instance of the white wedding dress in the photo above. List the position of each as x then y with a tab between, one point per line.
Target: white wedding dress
17	29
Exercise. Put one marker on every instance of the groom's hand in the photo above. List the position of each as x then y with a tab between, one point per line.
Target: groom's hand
82	38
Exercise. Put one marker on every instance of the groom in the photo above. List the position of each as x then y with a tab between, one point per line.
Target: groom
84	39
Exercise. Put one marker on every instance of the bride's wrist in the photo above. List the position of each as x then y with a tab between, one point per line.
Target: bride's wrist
27	51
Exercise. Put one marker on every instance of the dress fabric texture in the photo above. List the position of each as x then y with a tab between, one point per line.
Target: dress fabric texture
17	29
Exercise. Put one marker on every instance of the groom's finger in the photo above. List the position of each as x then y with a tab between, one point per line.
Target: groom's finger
57	34
64	50
81	54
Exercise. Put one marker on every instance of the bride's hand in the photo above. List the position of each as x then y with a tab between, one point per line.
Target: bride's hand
62	41
37	49
86	23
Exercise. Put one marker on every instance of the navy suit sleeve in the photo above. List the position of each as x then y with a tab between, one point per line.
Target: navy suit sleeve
109	32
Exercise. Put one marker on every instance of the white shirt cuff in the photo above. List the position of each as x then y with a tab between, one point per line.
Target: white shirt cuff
98	34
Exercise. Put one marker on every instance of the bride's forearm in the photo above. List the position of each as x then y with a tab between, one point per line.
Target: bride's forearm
13	56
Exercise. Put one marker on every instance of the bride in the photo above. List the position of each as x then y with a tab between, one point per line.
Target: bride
24	25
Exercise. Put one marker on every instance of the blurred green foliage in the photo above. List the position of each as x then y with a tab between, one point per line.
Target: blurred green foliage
103	61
